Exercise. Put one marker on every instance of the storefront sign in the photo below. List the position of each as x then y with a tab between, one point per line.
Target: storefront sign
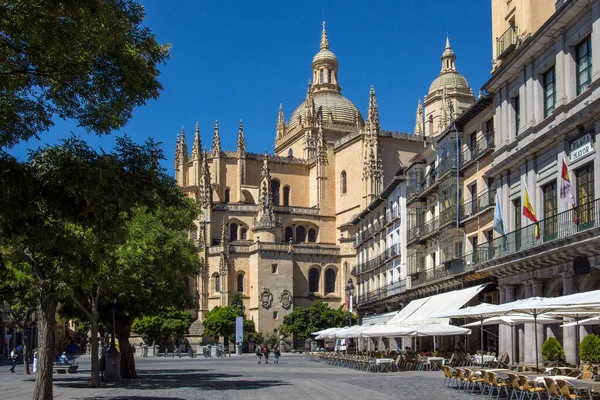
581	147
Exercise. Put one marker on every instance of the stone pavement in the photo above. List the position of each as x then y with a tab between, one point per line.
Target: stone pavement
238	378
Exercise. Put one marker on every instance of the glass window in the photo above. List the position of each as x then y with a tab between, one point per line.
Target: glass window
312	235
517	223
217	279
329	281
344	183
517	108
584	65
329	76
227	196
233	232
322	76
550	211
240	283
275	191
289	234
244	234
549	82
585	196
286	196
313	280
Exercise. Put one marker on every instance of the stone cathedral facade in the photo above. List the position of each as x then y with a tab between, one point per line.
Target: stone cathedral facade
276	227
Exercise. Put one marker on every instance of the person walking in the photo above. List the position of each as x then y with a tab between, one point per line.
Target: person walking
265	351
259	353
35	361
276	354
13	360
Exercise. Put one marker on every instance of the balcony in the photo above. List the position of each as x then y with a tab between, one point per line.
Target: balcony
365	234
431	180
507	42
392	214
445	270
432	226
482	202
383	292
482	146
373	263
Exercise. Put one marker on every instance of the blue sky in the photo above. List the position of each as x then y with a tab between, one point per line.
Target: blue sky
235	60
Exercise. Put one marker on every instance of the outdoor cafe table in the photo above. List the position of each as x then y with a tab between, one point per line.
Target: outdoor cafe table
486	359
434	362
384	364
579	384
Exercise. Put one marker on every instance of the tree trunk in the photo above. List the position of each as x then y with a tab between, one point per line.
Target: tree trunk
127	360
25	352
94	347
46	328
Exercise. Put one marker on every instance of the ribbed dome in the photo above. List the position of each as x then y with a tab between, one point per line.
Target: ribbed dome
325	56
449	80
340	108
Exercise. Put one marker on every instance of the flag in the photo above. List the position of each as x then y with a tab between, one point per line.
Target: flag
529	212
498	220
566	191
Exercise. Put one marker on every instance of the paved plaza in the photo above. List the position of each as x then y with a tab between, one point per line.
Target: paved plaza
237	378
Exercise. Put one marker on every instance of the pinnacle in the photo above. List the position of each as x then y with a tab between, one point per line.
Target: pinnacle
324	38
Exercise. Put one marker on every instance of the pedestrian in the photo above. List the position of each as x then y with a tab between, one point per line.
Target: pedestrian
13	360
63	360
276	354
265	351
35	361
259	353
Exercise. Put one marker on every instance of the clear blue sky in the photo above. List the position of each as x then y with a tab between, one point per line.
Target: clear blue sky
235	60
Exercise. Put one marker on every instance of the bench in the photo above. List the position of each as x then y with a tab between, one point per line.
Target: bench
65	369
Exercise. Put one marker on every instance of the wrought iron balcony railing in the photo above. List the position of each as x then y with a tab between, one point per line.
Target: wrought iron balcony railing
433	225
383	292
479	148
506	42
369	265
363	235
479	203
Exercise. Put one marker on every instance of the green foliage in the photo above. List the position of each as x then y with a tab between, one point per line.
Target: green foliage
168	325
552	350
304	320
237	303
91	61
220	322
589	348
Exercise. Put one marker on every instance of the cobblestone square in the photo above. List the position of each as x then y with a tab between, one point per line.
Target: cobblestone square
237	378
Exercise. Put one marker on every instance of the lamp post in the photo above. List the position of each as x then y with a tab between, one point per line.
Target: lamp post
349	294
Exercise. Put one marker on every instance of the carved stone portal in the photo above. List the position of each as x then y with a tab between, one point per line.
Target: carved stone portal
285	298
266	298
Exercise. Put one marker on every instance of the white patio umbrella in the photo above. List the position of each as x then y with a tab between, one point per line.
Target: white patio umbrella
386	330
342	333
511	320
587	321
332	334
439	330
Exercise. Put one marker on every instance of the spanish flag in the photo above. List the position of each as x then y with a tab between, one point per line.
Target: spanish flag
529	212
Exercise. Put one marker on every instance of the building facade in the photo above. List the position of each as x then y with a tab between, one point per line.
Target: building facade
277	228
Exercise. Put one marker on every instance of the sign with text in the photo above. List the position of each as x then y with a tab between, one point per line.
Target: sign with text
239	329
581	147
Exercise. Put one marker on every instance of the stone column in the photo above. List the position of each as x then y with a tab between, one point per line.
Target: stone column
502	332
528	341
538	291
509	331
569	333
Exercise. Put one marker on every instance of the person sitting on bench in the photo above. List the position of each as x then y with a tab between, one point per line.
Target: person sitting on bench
63	360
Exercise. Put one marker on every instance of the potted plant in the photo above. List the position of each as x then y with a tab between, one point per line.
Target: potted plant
552	350
589	348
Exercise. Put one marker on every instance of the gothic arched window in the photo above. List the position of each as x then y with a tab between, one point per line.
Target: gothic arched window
290	153
233	232
313	280
286	196
217	282
240	283
289	234
312	235
244	234
300	234
343	183
227	196
275	191
330	281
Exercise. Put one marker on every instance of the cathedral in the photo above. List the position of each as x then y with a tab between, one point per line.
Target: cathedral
277	227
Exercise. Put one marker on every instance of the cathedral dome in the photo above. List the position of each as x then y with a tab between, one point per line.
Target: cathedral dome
325	56
333	106
449	80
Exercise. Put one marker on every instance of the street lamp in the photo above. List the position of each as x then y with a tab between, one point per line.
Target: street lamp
349	294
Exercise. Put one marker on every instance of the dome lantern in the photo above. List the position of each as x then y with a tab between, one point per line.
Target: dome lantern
325	66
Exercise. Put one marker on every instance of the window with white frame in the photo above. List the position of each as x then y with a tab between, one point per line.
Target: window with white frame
549	82
583	54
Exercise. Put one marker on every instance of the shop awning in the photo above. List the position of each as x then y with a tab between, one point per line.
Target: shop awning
378	318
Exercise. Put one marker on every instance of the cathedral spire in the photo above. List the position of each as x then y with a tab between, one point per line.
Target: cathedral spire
448	58
324	38
183	150
280	122
197	146
205	184
241	144
373	113
177	150
419	119
216	149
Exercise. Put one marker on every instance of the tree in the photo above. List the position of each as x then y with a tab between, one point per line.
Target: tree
589	348
20	301
92	61
159	329
552	350
67	210
304	320
220	321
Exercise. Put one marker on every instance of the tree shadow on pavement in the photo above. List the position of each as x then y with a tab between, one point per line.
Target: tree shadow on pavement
173	379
